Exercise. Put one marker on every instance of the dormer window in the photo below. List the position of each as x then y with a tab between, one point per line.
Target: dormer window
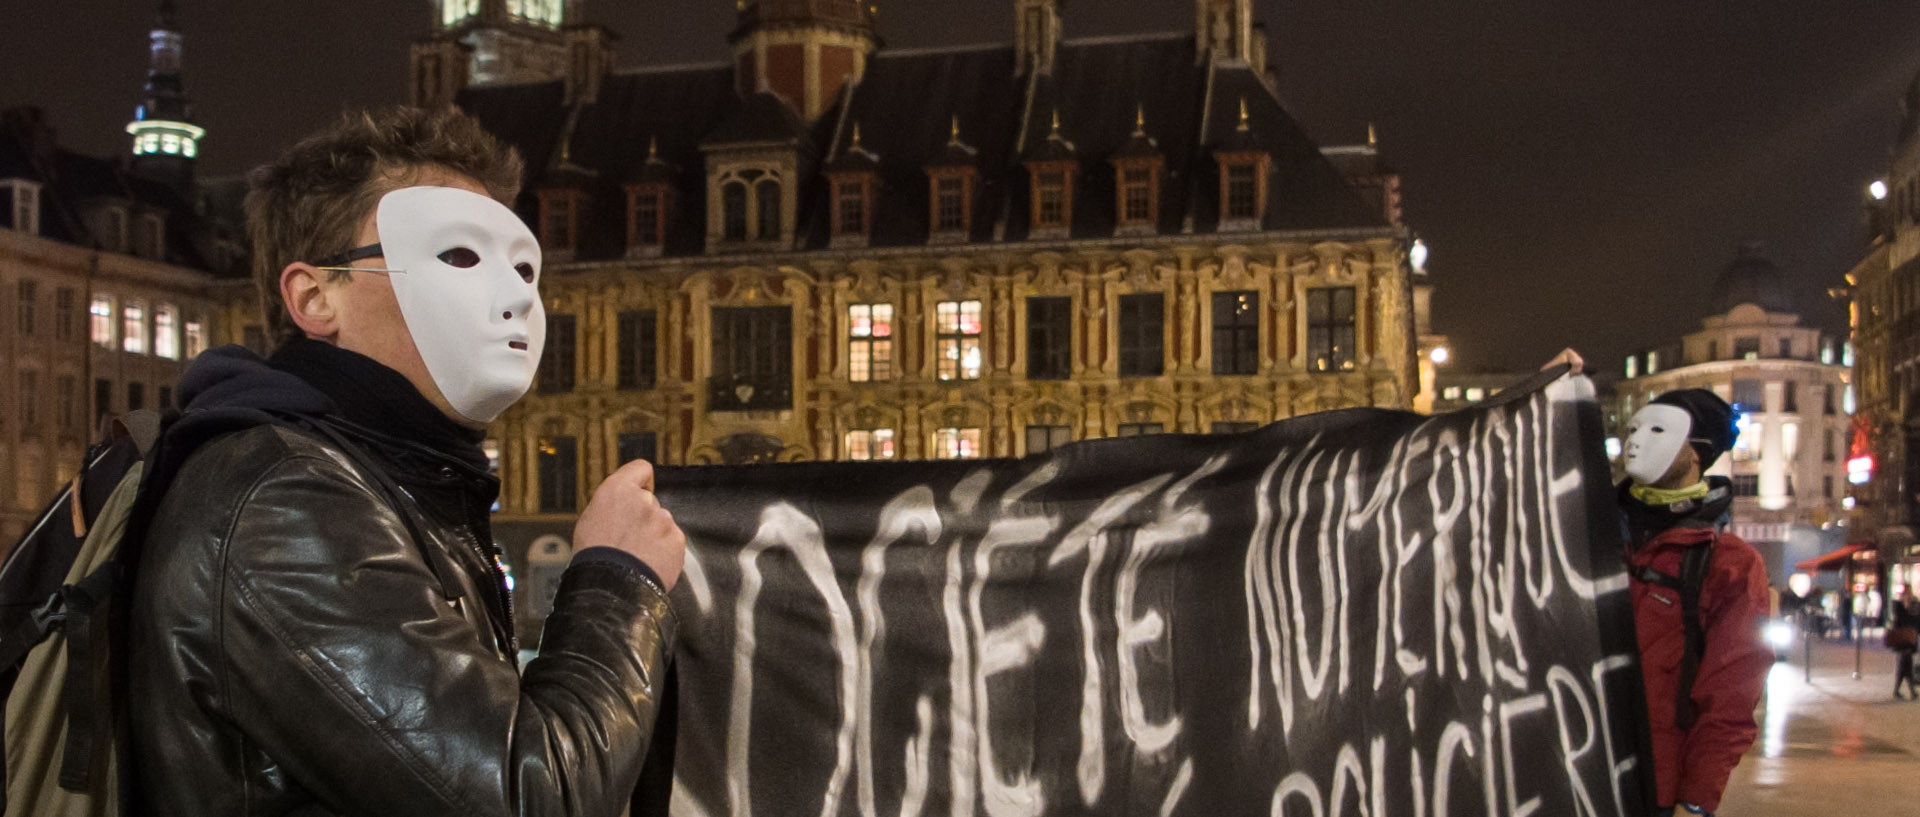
560	219
850	207
950	191
647	225
850	177
1137	170
1243	191
149	236
733	206
950	203
1052	167
109	223
1244	169
24	198
767	200
1050	198
649	200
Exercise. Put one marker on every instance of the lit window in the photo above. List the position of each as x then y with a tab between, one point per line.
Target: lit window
196	339
1450	393
1475	395
956	443
870	444
1846	359
870	342
166	343
189	148
133	329
102	312
957	329
1633	367
1331	333
1653	363
169	143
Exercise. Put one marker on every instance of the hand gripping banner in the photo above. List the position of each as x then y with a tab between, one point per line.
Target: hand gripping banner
1361	612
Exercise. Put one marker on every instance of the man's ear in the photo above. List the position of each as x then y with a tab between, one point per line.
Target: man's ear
310	299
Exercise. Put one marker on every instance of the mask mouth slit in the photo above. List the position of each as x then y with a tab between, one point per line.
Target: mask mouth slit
518	344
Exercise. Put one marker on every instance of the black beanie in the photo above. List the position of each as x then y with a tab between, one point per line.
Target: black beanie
1712	433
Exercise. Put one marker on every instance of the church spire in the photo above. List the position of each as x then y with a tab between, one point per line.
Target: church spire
165	140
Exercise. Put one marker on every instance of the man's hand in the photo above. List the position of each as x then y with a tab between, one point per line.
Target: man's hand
1568	356
625	514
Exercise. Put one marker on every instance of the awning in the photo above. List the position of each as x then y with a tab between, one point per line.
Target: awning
1832	561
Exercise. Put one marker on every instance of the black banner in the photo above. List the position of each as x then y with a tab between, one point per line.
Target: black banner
1354	613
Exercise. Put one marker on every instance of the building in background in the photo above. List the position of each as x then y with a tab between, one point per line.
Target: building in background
1789	386
107	282
1455	390
1885	286
824	249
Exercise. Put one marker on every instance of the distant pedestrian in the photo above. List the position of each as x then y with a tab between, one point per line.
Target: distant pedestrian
1699	595
1903	636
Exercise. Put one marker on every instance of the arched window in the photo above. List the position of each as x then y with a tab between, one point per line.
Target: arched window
733	208
767	193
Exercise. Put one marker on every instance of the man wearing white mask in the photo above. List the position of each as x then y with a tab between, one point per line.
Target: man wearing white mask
1699	594
319	623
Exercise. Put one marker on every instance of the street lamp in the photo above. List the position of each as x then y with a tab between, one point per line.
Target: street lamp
1440	355
1878	190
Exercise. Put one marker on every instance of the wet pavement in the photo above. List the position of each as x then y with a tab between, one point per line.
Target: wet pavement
1837	745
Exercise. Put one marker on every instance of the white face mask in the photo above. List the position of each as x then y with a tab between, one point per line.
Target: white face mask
1655	436
469	293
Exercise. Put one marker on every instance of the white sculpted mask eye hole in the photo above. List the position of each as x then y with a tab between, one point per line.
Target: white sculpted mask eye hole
469	291
1655	437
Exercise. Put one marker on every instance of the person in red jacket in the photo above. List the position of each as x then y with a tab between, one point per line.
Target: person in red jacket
1699	595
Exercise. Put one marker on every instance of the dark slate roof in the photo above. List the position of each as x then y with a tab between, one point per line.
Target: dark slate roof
72	182
906	104
1753	278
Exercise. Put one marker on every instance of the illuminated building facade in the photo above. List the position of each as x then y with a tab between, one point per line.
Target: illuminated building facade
825	249
111	280
1790	389
1885	285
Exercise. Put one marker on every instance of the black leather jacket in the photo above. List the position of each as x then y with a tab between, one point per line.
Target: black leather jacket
291	650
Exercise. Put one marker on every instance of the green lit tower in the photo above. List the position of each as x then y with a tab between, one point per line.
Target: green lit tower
166	143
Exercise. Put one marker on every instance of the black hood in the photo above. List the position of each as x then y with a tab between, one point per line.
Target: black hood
233	377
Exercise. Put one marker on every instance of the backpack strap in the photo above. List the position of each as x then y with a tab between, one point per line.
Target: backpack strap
1693	576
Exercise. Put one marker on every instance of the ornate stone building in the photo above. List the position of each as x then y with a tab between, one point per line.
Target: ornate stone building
1790	387
1885	285
107	282
826	249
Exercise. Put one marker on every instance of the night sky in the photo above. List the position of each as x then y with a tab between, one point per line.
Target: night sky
1581	170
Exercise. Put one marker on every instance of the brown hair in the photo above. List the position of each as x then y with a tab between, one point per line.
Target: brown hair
309	204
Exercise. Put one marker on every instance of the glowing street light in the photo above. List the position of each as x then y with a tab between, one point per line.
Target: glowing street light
1440	355
1878	190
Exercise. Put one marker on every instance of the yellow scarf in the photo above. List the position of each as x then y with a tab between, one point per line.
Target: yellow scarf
1658	497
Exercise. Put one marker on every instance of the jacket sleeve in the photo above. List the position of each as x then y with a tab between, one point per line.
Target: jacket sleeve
1732	673
345	666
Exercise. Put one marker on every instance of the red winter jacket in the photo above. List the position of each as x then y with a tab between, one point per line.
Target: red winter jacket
1693	766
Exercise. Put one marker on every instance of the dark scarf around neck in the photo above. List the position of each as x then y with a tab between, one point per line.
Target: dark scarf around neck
378	399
